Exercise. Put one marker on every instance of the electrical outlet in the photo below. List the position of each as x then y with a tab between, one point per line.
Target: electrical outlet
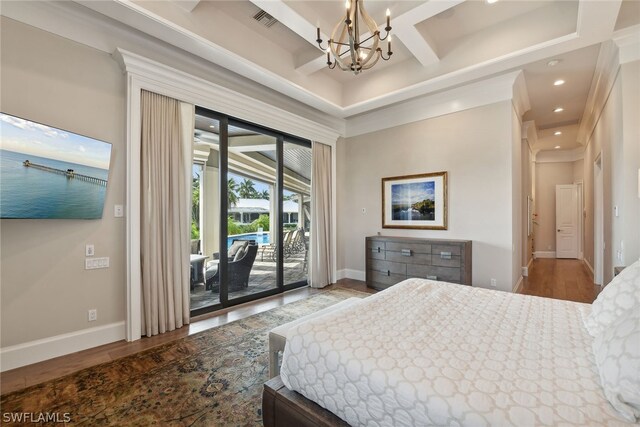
93	315
364	211
493	283
89	250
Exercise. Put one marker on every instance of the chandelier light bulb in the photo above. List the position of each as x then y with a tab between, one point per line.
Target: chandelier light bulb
347	4
559	82
557	133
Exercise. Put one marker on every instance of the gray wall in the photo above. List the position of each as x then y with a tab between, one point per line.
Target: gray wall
45	289
474	147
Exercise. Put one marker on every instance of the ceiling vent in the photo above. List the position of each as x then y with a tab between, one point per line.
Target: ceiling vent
264	18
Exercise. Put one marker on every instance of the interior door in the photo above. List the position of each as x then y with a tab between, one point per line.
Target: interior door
567	221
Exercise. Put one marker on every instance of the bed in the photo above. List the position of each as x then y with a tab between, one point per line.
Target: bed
432	353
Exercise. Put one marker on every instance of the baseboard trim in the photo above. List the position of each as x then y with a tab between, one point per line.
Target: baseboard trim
518	287
36	351
545	254
347	273
589	267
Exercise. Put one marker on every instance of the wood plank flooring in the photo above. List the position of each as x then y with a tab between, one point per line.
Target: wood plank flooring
566	279
561	279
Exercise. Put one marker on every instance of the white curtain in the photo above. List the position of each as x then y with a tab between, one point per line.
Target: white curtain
321	259
166	157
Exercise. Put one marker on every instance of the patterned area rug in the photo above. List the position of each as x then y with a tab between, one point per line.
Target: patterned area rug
213	378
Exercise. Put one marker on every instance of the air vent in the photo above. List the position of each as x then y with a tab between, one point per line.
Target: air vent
264	18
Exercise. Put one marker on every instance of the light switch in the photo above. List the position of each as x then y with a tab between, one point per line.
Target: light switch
89	250
615	211
118	211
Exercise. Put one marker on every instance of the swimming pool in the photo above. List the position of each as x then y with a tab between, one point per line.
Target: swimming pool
260	238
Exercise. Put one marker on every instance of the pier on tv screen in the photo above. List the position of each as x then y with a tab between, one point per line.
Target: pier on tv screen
47	172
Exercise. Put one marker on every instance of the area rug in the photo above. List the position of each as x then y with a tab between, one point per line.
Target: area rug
213	378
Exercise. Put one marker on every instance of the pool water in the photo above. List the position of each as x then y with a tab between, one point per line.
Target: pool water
260	238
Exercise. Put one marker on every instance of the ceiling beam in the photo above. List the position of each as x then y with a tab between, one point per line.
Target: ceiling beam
404	27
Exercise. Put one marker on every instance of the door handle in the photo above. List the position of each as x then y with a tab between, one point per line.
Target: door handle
558	230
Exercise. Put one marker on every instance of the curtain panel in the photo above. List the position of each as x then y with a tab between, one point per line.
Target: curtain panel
321	259
166	157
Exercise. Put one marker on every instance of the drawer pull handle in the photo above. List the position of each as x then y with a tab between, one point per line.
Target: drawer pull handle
378	249
406	252
432	277
388	273
445	255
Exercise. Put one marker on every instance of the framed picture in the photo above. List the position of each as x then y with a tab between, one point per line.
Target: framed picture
415	201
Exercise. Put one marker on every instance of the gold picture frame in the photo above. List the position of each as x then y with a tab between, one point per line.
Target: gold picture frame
415	201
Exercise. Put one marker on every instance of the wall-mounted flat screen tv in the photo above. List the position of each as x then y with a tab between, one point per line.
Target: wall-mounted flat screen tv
50	173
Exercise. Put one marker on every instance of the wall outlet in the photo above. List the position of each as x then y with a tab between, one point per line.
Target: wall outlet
94	263
93	315
89	250
364	211
493	283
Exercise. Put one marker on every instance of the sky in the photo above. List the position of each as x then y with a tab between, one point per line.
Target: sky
23	136
412	192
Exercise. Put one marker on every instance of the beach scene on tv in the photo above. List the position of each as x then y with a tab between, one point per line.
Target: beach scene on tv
413	201
50	173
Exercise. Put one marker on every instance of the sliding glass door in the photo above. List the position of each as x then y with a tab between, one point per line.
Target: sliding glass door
254	201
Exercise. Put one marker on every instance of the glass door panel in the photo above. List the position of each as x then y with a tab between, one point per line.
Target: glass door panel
296	213
252	226
205	216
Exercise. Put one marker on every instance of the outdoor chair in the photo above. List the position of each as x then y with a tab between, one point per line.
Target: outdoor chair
239	269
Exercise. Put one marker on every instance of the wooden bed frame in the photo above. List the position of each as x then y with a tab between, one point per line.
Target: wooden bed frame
282	407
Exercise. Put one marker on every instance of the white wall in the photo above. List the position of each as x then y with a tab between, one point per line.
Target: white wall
516	197
45	289
474	147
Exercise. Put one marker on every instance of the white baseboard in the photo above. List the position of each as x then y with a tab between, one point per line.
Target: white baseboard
525	271
545	254
36	351
518	286
588	266
348	273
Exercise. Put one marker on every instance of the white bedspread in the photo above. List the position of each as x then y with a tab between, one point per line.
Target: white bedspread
432	353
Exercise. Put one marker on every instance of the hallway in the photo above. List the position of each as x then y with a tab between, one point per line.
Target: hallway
566	279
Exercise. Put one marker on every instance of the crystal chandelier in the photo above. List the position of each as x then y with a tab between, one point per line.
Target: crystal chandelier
349	52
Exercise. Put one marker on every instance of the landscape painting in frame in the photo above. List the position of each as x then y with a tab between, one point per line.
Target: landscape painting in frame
50	173
415	201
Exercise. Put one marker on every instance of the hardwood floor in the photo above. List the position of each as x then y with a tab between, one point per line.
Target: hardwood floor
561	279
566	279
26	376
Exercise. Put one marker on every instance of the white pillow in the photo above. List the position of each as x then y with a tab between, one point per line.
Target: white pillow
617	354
619	296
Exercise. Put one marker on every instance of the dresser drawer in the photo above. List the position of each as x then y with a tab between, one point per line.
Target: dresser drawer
376	245
408	257
419	248
388	266
384	278
447	249
453	261
444	274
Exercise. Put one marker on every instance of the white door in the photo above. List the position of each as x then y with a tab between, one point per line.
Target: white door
567	221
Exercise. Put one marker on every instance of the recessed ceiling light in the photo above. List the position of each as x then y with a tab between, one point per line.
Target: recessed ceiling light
558	82
553	62
556	147
557	133
558	110
212	126
491	1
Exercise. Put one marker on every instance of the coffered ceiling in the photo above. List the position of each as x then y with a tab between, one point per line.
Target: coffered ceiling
437	44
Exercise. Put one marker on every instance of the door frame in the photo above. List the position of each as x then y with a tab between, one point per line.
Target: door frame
580	185
145	74
598	220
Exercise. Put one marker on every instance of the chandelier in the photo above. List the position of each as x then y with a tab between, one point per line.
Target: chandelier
349	52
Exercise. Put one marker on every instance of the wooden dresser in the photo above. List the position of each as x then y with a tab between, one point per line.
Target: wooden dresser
393	259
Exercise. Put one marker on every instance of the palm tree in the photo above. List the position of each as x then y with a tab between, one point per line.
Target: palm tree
264	195
246	189
232	186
